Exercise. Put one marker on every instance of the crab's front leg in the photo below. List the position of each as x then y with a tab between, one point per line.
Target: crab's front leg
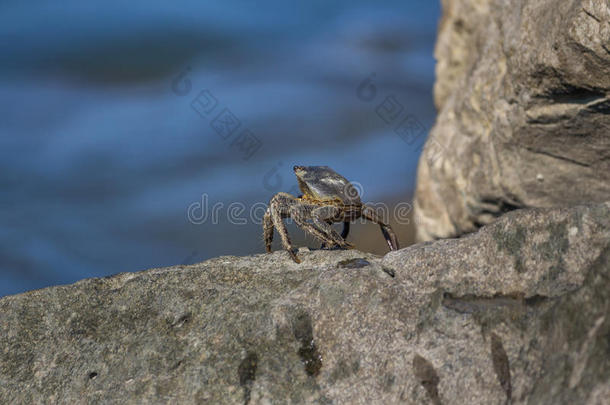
268	230
279	208
386	229
344	233
301	212
321	217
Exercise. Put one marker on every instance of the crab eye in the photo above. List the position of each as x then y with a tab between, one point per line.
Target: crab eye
295	168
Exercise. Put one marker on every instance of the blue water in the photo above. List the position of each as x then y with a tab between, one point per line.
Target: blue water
102	152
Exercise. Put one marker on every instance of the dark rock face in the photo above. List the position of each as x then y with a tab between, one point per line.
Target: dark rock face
523	92
518	311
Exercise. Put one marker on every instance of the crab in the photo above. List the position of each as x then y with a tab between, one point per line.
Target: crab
327	198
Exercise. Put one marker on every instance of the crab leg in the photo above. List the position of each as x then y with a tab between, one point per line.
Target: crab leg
343	233
299	218
275	207
345	229
268	230
387	231
320	216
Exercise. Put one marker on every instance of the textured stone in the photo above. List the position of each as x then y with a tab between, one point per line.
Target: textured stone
517	311
523	93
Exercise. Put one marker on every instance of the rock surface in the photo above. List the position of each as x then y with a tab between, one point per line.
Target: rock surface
523	93
518	312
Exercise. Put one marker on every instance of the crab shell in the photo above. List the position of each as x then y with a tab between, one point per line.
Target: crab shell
321	183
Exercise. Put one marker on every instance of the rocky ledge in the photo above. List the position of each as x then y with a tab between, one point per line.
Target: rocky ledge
518	312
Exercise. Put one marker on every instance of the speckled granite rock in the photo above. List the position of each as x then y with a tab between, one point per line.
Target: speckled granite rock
517	311
523	92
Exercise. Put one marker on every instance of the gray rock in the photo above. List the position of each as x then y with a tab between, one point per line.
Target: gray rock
518	311
523	93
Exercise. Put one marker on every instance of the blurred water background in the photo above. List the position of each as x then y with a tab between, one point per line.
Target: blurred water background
108	135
